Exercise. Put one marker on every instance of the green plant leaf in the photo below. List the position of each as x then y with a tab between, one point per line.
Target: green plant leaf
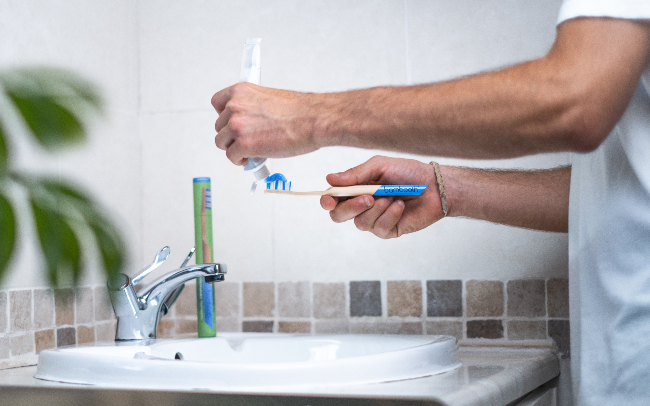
111	247
58	242
52	124
53	103
3	151
67	199
67	191
63	82
7	233
110	244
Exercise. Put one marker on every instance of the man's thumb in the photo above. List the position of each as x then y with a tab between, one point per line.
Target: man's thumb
363	174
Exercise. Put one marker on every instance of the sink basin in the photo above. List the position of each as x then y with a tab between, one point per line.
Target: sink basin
251	361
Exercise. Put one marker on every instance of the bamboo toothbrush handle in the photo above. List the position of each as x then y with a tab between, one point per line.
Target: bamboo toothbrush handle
333	191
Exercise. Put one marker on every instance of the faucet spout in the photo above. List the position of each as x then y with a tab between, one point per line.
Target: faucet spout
159	290
138	314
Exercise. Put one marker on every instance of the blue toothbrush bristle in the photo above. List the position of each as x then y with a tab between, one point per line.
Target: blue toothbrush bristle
276	181
208	199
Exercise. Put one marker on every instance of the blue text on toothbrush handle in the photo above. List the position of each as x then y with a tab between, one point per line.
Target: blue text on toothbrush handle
400	190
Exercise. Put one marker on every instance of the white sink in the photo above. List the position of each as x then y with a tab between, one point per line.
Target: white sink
251	361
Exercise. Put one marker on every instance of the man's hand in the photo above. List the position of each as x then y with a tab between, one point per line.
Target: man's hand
386	217
257	121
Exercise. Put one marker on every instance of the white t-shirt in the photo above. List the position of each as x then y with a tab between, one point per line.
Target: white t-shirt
609	245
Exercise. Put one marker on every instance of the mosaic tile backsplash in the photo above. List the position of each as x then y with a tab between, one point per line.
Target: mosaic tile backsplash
528	311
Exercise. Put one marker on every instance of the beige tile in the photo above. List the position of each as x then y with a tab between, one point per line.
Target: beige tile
526	329
85	334
329	300
43	308
165	328
103	306
367	327
105	332
228	324
20	310
303	327
5	348
64	306
259	299
404	298
557	290
3	312
22	344
294	299
84	305
186	326
526	297
331	326
407	328
185	305
227	299
382	327
445	328
484	298
44	340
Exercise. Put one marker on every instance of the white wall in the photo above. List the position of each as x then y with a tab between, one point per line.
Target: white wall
160	61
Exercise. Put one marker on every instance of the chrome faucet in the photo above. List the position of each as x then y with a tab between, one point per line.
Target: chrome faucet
138	313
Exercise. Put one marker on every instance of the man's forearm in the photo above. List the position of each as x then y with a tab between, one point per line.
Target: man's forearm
568	100
531	199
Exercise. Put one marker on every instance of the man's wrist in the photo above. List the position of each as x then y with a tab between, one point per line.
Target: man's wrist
453	189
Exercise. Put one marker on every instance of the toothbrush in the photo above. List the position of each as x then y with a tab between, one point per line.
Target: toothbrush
375	190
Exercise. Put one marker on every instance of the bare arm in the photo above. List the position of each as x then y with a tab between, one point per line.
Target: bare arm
537	200
532	199
568	100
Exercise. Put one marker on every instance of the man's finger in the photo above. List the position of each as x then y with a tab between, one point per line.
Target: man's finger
223	139
223	119
233	152
365	174
328	202
351	208
221	98
366	220
385	226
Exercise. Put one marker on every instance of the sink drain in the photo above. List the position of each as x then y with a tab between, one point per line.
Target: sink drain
179	356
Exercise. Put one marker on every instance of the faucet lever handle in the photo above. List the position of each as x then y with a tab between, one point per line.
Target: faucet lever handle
160	257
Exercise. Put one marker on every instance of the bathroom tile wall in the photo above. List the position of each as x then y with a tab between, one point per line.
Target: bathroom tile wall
514	312
33	320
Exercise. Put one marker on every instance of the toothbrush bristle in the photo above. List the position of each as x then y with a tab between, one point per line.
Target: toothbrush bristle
208	199
289	186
